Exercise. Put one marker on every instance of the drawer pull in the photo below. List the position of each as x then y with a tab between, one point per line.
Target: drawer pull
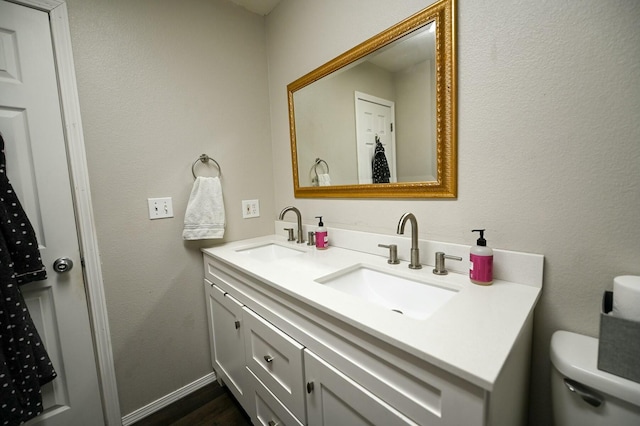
309	387
268	358
237	324
272	423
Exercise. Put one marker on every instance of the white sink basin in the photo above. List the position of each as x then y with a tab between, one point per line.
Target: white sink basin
269	252
407	296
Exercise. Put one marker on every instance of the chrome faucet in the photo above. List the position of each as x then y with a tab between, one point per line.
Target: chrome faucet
415	251
300	239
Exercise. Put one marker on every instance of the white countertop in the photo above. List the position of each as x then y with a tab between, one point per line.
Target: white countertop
470	336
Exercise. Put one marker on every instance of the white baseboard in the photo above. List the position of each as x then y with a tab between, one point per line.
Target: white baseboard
174	396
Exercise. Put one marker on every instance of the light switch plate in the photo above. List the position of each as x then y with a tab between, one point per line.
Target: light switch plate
160	208
250	208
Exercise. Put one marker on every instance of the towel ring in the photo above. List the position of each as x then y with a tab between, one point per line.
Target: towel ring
205	158
317	163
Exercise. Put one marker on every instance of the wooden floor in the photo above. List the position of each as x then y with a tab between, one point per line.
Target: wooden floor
211	405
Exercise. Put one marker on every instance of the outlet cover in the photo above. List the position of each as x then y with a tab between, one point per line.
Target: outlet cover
160	208
250	208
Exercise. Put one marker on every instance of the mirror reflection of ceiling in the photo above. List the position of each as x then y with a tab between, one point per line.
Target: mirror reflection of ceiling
407	52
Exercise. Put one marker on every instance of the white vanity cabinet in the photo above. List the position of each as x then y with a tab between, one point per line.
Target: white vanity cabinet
262	366
291	362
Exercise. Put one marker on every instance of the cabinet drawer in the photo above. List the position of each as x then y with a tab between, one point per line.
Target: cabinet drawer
267	410
275	359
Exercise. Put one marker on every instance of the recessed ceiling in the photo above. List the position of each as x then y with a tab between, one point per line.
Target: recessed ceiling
261	7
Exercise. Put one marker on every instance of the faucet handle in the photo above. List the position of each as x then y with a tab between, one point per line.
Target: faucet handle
393	253
440	257
291	237
311	238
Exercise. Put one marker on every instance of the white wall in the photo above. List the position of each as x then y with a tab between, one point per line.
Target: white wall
161	82
549	141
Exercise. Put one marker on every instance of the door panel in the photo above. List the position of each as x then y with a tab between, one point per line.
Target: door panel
335	399
228	346
374	117
31	124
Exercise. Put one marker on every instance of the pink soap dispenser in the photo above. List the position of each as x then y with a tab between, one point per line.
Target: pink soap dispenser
481	268
322	237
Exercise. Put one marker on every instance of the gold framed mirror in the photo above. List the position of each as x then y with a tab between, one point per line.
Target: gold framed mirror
379	121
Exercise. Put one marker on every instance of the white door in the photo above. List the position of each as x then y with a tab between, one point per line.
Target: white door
31	124
374	117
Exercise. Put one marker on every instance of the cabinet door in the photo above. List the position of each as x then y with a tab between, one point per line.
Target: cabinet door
225	316
276	359
335	399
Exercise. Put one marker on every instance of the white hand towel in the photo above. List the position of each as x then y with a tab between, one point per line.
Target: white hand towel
204	218
324	179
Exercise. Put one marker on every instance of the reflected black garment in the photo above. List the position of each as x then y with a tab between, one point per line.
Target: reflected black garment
380	167
24	363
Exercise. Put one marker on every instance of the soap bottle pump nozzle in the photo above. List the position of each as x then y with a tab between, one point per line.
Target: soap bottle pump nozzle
481	241
320	223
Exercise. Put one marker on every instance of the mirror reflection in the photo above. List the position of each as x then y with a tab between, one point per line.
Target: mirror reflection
372	121
379	120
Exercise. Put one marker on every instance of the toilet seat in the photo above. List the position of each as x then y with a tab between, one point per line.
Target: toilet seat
576	357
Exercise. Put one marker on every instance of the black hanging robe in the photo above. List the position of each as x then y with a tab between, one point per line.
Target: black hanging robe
24	363
380	167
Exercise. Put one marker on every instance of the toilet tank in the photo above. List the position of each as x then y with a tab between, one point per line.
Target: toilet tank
581	394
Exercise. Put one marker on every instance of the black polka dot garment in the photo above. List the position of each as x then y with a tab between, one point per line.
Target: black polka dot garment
380	166
24	363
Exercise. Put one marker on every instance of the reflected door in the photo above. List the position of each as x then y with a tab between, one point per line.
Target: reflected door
374	117
31	124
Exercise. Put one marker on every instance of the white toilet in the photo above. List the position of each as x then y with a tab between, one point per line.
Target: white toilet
581	394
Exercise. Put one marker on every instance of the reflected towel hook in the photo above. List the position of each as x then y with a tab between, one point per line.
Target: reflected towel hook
205	158
316	164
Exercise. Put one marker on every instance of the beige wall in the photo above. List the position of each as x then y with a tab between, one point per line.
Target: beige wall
415	123
160	83
549	141
548	137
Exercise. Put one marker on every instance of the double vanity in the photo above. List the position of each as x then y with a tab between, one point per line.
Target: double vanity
342	337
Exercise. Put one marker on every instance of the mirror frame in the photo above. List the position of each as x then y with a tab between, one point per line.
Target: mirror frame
446	185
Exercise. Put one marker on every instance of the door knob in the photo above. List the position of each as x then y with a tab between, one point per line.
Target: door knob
63	264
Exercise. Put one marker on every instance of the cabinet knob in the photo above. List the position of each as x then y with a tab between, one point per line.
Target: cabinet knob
309	387
237	324
268	358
